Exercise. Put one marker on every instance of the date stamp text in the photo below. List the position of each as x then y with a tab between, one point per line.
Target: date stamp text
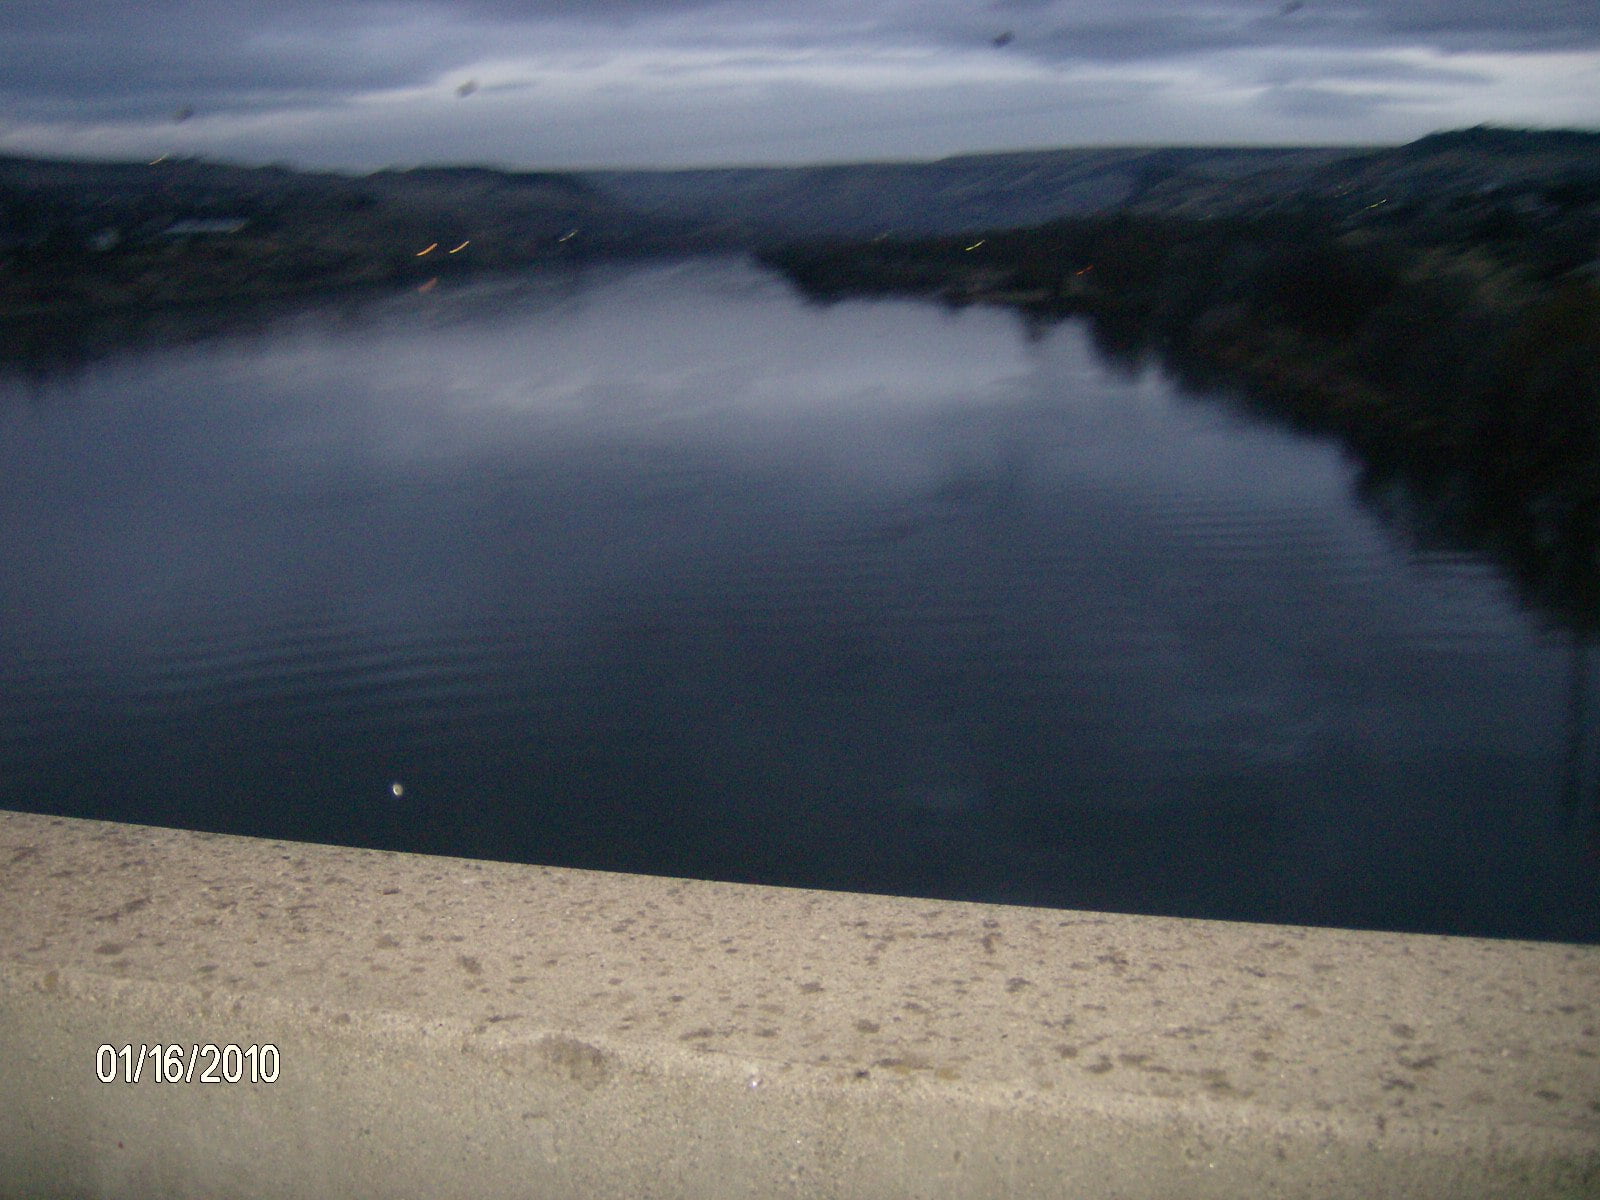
191	1062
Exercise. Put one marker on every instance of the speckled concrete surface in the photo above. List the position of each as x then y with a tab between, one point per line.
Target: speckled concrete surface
456	1028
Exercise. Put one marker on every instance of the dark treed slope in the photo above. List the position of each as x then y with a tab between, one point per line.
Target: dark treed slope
1439	173
77	237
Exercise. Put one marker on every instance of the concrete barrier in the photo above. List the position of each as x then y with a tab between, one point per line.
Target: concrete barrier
446	1028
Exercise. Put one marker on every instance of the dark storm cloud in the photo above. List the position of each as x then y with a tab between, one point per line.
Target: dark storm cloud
90	59
1090	30
103	58
1483	25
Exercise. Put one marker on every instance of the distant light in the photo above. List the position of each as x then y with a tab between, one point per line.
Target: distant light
397	788
462	247
977	243
429	250
430	285
158	161
568	236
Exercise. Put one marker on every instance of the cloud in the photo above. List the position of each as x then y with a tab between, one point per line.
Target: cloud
1486	25
829	78
1381	67
1319	103
233	54
1088	30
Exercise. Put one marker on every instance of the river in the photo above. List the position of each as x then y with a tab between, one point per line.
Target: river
660	568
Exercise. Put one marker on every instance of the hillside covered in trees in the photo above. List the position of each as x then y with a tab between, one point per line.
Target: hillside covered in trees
79	238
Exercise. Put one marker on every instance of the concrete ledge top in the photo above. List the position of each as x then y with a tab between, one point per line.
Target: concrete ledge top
1381	1035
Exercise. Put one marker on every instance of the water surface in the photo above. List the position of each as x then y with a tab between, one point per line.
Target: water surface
661	569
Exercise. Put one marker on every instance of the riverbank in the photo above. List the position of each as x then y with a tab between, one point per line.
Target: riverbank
105	314
1357	329
243	269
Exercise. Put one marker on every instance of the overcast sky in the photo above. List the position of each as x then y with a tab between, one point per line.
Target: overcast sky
361	84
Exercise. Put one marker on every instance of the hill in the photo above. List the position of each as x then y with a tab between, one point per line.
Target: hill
1462	169
80	237
945	196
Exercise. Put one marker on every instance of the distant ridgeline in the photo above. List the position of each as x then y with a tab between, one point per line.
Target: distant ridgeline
1437	306
1499	139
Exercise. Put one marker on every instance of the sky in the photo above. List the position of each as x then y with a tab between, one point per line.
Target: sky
365	84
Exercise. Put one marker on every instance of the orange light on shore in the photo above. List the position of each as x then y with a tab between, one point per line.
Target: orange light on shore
429	250
462	247
430	285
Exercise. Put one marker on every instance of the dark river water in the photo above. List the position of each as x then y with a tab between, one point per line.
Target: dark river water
661	569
